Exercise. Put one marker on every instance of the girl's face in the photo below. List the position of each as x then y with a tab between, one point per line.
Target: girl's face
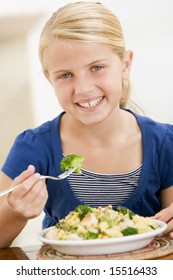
87	79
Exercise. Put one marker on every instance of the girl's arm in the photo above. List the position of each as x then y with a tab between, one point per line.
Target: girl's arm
25	202
166	214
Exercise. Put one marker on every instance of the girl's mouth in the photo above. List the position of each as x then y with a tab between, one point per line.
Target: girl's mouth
90	104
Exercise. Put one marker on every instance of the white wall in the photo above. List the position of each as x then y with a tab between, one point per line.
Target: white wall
148	31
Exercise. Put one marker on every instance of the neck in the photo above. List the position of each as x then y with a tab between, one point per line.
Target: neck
98	134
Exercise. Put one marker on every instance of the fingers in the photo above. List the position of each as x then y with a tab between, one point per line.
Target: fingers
32	204
169	227
24	175
169	230
166	215
171	235
24	182
38	203
30	195
32	191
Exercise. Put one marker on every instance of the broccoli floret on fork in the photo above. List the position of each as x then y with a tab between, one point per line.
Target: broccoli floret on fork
72	161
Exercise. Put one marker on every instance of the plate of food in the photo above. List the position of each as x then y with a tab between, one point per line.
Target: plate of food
102	230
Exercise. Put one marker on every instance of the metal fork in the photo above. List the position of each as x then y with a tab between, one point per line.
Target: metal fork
59	177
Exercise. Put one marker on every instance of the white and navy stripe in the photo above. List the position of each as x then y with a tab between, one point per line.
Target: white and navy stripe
104	189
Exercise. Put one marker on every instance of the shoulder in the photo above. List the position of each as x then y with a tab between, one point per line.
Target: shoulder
33	146
46	130
153	128
157	140
38	140
46	127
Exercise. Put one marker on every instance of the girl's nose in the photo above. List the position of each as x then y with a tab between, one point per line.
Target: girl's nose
83	86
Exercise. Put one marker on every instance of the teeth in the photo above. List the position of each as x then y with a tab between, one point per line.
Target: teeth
90	104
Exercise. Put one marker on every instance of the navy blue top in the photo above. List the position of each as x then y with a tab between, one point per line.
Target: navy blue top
42	148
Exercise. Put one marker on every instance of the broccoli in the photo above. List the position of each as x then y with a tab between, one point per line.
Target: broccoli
91	235
71	161
83	210
123	210
129	231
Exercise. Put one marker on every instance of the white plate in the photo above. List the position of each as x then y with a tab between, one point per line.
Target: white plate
103	246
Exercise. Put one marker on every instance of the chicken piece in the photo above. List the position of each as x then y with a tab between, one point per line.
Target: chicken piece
89	220
126	223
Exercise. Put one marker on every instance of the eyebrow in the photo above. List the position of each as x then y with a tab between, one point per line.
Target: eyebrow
98	61
102	60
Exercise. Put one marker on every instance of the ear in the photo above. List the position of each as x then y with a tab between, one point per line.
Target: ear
126	64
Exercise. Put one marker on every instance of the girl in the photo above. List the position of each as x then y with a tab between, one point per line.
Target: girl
128	157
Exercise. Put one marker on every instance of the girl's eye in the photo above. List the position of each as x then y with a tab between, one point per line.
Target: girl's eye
66	76
97	68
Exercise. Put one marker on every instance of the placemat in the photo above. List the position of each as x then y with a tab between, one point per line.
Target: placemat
159	247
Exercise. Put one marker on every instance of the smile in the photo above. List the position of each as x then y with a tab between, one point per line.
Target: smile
91	104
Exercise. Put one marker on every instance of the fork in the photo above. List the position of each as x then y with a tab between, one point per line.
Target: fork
59	177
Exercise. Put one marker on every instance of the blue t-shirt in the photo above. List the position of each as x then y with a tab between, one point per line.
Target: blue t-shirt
42	148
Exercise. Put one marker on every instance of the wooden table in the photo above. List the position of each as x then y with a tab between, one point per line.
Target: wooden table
19	253
30	253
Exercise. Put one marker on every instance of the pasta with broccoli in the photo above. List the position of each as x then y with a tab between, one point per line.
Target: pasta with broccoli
100	223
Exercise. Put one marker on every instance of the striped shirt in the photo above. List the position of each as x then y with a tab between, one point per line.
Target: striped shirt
103	189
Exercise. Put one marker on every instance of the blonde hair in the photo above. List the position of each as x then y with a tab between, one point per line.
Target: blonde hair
85	22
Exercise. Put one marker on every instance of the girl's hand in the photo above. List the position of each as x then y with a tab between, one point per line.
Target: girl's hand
30	196
166	215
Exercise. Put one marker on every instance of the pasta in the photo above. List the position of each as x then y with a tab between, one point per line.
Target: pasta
99	223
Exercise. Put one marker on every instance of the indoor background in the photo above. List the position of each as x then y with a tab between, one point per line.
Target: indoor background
27	99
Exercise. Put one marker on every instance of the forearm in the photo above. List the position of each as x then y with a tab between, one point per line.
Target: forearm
11	224
25	202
